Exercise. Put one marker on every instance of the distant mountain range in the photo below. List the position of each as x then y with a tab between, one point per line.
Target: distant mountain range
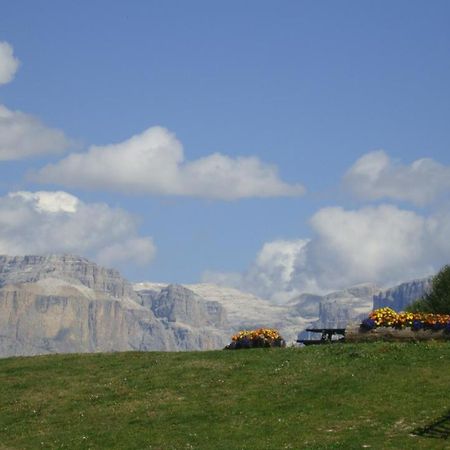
65	304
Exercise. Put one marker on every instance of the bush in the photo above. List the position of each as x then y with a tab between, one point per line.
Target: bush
436	301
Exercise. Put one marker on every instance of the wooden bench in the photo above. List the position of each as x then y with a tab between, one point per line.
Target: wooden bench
326	338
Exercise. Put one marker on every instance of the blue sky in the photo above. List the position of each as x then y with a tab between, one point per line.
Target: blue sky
308	87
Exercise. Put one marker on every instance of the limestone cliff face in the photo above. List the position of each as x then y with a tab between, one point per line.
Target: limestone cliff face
32	321
63	304
401	296
196	323
27	269
241	309
339	308
305	305
177	303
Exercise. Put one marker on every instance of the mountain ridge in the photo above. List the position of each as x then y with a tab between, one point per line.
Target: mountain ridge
67	303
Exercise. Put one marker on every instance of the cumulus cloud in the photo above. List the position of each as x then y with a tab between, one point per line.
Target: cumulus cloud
375	176
8	63
48	202
57	222
271	274
22	136
153	162
383	244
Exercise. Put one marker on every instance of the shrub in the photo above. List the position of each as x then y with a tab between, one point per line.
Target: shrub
437	300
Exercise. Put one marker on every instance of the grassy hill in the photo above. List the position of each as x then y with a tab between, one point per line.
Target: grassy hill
337	396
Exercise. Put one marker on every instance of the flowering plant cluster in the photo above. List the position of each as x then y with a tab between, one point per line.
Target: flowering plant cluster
262	337
263	333
387	317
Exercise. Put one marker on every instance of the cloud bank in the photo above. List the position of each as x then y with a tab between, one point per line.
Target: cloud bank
376	176
8	63
22	136
57	222
383	244
153	162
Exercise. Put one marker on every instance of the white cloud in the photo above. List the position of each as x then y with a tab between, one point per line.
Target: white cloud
274	267
153	162
384	244
57	222
271	274
22	136
47	202
8	63
376	176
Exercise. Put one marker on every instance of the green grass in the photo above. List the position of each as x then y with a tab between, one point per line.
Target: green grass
321	397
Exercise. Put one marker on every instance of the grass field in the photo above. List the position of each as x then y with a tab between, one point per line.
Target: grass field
322	397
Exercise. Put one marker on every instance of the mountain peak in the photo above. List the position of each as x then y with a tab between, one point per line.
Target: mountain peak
72	268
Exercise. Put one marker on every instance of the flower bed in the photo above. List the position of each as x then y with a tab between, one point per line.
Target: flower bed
387	317
386	324
262	337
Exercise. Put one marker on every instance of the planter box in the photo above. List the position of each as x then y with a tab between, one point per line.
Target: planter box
354	333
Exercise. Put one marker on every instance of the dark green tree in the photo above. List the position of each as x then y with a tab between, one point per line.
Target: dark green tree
437	300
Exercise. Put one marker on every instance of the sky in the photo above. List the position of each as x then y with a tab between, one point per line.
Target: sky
277	147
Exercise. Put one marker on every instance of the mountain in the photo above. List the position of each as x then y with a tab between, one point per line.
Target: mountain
306	305
66	303
54	304
195	322
399	297
75	269
244	310
337	309
55	316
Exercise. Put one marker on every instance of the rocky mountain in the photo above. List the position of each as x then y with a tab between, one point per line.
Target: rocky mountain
399	297
196	323
337	309
27	269
54	316
333	310
52	304
243	310
306	305
180	304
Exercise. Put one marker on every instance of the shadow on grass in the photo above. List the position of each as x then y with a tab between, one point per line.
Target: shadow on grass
440	428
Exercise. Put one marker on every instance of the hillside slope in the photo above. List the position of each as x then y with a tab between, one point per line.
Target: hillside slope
337	396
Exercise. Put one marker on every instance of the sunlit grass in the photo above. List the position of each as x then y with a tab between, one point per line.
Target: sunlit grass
337	396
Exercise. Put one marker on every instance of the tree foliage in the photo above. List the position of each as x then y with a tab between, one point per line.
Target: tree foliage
437	300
